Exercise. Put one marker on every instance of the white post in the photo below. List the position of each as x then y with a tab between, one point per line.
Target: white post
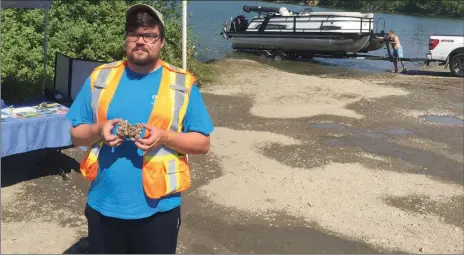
44	78
184	40
184	34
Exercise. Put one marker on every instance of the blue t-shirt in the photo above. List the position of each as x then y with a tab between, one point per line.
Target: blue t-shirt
117	190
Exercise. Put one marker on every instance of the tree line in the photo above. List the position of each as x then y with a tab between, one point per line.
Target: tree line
450	8
82	29
427	7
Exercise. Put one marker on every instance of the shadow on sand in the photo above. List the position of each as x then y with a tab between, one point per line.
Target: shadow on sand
80	247
36	164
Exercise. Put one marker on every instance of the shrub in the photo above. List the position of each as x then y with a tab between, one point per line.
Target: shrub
85	29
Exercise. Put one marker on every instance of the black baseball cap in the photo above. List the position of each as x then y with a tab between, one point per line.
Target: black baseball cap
145	7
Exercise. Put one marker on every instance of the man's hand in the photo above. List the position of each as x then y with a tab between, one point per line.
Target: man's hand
155	139
110	139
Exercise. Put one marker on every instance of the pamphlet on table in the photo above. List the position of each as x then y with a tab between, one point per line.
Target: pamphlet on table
43	109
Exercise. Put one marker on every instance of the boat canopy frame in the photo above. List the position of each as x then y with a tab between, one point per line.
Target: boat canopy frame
274	11
321	29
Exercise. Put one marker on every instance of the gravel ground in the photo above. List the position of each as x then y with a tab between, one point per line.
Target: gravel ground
305	158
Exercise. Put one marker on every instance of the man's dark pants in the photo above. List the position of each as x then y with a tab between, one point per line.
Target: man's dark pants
154	235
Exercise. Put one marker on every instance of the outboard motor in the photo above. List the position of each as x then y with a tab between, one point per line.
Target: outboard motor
239	24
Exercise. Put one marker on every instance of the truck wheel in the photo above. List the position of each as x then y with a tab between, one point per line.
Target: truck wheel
457	65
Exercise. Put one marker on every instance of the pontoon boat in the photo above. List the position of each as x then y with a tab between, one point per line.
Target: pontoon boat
278	29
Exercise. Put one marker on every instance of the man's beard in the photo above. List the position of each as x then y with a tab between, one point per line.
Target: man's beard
139	60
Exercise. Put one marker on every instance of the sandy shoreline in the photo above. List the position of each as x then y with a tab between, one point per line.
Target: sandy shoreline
380	178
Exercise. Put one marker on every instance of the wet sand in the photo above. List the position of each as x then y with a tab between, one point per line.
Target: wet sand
302	161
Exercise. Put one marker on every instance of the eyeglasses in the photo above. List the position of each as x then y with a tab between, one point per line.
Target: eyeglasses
148	38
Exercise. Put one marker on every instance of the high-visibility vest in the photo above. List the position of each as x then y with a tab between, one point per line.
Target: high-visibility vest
164	171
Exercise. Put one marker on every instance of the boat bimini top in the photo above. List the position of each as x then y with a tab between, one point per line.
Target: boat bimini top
282	11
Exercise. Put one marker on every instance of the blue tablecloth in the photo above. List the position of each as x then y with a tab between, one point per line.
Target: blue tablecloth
28	134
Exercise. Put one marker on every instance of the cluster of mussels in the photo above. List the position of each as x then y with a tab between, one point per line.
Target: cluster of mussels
43	105
130	131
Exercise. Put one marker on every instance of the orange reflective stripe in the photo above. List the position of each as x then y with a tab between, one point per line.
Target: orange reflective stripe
161	178
153	180
160	116
164	171
106	83
89	165
183	109
107	94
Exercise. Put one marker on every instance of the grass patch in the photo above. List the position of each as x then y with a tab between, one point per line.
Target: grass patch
15	92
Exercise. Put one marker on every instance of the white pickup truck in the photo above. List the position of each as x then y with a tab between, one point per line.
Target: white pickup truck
448	50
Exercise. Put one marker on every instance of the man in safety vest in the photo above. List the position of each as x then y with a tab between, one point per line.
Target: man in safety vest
133	203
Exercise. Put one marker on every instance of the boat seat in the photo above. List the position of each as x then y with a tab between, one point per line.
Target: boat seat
284	12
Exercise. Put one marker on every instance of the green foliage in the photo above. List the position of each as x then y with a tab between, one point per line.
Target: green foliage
453	8
84	29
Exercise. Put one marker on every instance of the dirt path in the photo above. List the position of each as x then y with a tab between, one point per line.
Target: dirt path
333	162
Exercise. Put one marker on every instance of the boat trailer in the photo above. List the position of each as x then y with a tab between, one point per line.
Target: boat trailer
279	55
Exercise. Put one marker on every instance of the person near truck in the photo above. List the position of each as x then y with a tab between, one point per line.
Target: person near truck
397	50
133	204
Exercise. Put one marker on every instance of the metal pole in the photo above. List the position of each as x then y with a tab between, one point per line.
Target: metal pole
184	34
44	78
184	40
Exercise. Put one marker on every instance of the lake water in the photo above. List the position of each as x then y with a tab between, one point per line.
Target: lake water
413	31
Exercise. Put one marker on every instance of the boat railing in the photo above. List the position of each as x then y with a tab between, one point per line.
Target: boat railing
370	27
322	26
377	24
233	24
